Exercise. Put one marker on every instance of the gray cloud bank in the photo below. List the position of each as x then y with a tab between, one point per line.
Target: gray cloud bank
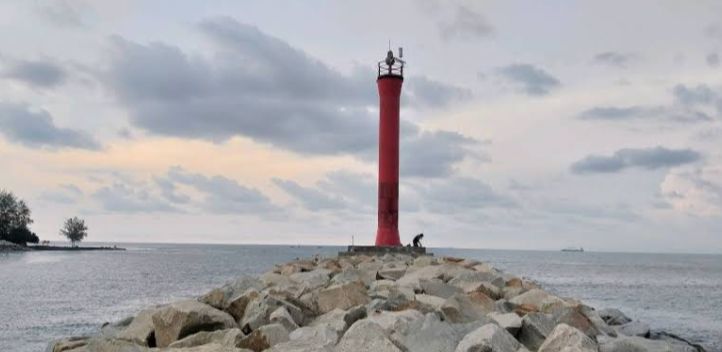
260	87
311	198
691	104
465	24
222	194
434	154
35	129
171	192
644	158
124	198
530	79
61	13
35	73
613	58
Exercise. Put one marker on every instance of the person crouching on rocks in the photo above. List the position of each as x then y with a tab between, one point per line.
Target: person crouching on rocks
417	240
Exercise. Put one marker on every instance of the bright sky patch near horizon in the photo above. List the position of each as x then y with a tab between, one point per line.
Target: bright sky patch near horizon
526	124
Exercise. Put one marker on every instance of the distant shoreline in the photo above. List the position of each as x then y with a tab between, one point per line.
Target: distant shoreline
65	248
12	247
6	246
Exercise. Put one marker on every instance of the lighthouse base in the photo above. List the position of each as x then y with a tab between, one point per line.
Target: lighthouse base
376	250
387	237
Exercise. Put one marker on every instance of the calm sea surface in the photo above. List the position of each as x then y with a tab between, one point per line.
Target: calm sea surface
46	295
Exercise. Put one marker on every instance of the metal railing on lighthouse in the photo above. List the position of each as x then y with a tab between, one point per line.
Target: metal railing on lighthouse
391	65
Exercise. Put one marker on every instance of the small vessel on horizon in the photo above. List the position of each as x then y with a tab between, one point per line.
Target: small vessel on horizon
573	249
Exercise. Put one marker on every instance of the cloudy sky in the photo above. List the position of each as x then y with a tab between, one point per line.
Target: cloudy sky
525	124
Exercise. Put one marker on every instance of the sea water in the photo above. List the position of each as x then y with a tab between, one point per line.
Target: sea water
48	295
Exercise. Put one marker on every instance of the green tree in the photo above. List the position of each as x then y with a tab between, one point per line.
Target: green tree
23	236
15	219
75	230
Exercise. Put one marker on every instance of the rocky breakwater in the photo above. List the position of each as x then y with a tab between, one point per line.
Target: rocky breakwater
389	303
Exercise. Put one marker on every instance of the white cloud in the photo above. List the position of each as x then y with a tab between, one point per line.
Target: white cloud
695	191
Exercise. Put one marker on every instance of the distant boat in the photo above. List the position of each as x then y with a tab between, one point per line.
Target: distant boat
573	249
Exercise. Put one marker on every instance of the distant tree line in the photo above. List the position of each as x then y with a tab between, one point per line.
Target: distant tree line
15	219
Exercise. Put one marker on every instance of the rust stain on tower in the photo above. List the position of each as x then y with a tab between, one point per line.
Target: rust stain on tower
389	81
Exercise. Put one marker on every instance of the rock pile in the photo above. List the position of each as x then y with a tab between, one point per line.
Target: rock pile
389	303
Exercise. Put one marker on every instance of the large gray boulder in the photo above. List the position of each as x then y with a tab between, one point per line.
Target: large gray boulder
396	299
111	345
228	337
219	297
298	265
511	292
614	316
424	260
300	346
535	327
433	302
392	271
141	330
366	336
106	344
343	296
280	282
264	338
503	306
283	317
462	308
393	296
438	288
565	338
236	306
320	335
340	320
379	286
639	344
430	334
470	280
509	321
484	268
258	311
184	318
488	338
596	319
393	321
633	328
491	290
333	320
211	347
536	297
240	285
111	330
353	275
68	344
369	269
311	280
412	277
678	343
573	316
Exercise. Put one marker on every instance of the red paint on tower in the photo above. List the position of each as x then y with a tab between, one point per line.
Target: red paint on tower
389	84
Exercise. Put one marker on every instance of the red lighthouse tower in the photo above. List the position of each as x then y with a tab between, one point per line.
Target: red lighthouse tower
389	81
